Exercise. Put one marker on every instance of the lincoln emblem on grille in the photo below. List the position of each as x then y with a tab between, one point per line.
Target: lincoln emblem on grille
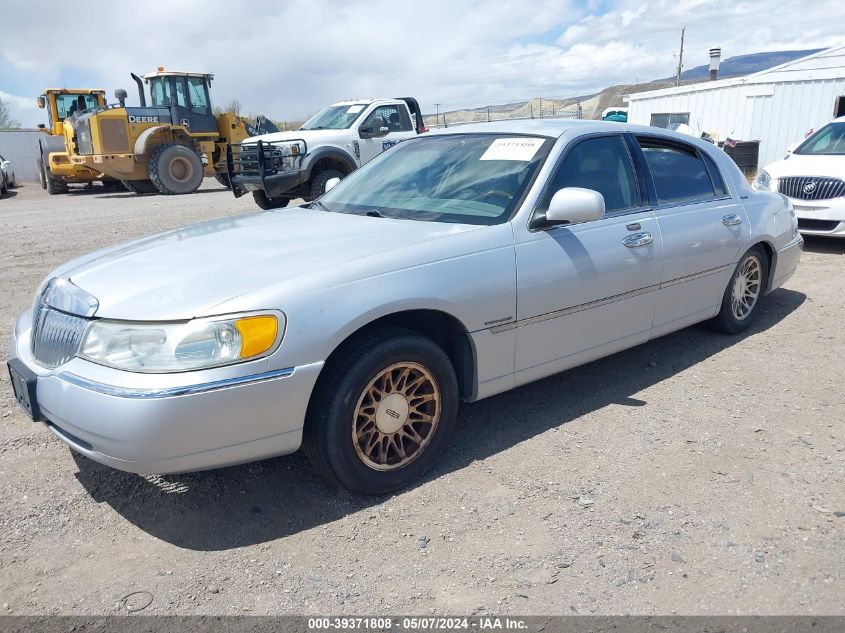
810	187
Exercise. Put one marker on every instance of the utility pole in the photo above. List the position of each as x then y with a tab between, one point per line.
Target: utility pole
437	113
681	58
488	114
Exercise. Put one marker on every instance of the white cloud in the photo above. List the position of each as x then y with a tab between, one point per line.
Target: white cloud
289	59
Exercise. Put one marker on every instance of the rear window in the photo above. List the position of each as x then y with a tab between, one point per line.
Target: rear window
679	174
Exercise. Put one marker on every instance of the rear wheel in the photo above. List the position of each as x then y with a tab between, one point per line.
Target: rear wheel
175	169
266	202
745	292
53	185
382	411
139	186
318	182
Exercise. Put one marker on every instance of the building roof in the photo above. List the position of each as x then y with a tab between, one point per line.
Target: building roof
826	64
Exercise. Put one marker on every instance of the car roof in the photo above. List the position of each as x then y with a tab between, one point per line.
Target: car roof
557	127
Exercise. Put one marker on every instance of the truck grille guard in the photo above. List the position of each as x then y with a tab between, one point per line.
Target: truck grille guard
248	165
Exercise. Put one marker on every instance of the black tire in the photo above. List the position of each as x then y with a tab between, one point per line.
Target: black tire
318	182
331	419
4	188
728	321
54	185
223	179
139	186
175	169
266	202
41	178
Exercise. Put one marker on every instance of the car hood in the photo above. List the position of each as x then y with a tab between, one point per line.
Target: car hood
807	165
310	136
186	272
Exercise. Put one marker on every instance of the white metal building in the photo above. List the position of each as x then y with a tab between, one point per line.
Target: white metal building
777	106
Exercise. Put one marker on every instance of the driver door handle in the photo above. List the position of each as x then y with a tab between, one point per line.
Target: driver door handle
637	239
731	220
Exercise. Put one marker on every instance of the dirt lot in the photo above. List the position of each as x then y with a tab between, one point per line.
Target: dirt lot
694	474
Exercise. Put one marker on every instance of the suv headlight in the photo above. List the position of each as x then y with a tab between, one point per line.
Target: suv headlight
763	181
185	346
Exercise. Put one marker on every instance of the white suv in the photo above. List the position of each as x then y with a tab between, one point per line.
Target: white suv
282	166
812	176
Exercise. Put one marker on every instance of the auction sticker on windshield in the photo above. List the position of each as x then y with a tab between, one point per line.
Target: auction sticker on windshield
522	149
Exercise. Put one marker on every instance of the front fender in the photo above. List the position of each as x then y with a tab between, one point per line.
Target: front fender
143	140
334	153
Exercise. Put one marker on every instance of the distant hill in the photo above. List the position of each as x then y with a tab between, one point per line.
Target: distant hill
593	105
743	64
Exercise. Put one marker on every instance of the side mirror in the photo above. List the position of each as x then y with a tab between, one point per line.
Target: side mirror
791	148
42	102
573	205
331	183
375	128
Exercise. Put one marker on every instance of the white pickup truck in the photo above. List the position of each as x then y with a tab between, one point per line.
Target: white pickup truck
282	166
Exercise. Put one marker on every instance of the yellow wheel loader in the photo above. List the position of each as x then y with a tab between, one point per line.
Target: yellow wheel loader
167	146
54	165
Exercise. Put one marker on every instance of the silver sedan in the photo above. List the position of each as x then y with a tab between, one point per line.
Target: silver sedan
455	266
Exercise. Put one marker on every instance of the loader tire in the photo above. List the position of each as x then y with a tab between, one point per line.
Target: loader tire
175	169
139	186
53	185
41	174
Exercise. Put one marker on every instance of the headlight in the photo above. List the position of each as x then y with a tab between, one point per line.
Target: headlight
171	347
763	181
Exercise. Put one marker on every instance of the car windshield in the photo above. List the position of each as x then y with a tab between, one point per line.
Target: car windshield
69	103
459	178
335	117
828	140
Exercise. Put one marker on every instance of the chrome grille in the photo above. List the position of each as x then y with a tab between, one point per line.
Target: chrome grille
811	187
55	335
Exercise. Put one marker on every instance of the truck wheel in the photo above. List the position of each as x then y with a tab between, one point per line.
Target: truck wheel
318	182
175	169
139	186
266	202
53	185
223	179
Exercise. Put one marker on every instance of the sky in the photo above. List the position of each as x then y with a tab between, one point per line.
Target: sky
288	59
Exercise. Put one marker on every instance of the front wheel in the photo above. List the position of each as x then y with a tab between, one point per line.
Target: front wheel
266	202
745	292
318	182
175	169
382	412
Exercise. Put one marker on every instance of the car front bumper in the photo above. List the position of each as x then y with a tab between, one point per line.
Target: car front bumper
168	423
820	217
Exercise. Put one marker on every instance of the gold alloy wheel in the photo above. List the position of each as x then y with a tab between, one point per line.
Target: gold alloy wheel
396	416
746	288
181	169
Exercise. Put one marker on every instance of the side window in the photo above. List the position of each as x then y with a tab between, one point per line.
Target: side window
678	172
392	117
669	121
715	177
196	88
181	101
601	164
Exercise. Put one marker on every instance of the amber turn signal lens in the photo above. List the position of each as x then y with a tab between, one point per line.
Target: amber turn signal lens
258	334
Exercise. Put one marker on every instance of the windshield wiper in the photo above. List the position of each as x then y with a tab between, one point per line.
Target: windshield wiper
375	214
321	205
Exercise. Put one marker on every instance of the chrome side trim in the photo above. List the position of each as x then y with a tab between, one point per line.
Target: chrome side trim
601	302
703	273
572	310
171	392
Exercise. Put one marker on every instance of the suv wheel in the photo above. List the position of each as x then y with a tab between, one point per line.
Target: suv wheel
382	411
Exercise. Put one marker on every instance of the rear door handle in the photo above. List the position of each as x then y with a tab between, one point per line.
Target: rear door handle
637	239
731	220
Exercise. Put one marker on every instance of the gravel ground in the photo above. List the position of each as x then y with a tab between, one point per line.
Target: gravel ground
697	474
